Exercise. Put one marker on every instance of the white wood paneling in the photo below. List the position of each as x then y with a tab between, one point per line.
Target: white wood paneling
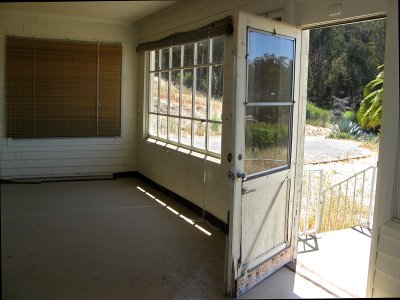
387	284
386	281
71	156
384	228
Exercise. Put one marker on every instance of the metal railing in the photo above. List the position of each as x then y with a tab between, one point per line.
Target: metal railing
310	201
346	204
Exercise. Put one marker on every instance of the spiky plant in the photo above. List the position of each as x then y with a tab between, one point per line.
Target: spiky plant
369	114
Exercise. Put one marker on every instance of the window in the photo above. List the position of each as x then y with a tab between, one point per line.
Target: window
62	88
185	95
269	104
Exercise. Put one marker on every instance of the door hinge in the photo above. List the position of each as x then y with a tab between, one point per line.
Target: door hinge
231	175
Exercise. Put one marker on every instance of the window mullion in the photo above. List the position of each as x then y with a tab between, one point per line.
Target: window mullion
159	93
169	90
97	88
180	94
194	90
208	117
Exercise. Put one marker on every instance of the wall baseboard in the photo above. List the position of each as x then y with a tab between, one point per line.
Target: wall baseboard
213	220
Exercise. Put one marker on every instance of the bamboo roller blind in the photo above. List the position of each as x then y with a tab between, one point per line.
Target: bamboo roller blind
58	88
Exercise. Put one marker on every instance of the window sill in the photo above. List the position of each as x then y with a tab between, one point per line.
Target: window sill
184	150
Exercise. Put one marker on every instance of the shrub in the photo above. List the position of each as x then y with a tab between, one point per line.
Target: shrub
346	129
317	116
262	135
350	115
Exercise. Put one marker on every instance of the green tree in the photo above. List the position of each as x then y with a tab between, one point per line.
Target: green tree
342	60
369	115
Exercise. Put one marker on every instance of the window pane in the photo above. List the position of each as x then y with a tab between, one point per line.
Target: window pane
202	53
176	57
164	93
186	132
152	60
199	135
187	92
157	60
201	93
267	137
174	101
270	68
216	93
162	127
154	91
153	124
188	55
165	59
218	50
214	137
173	129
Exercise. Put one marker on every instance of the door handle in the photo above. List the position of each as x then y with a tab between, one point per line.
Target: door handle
238	175
241	174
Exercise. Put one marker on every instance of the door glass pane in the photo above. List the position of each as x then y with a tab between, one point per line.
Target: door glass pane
267	138
270	68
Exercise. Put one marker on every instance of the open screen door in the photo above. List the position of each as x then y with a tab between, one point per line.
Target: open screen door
265	169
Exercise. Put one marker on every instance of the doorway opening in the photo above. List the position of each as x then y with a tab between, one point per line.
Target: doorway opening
345	78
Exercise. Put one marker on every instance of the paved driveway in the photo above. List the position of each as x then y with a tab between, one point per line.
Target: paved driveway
320	149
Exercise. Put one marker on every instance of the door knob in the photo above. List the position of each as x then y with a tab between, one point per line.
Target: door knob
241	175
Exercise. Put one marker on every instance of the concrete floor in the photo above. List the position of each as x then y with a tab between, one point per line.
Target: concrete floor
112	239
338	260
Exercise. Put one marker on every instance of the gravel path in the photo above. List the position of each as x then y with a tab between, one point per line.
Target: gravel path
318	149
338	159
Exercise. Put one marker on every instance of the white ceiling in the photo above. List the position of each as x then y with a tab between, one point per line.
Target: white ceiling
113	11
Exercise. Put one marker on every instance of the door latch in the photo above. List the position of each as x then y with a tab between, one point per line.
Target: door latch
238	175
241	175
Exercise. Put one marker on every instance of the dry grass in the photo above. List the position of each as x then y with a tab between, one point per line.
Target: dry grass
187	92
344	206
263	159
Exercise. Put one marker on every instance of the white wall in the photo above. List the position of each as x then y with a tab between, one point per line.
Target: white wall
384	277
70	156
179	172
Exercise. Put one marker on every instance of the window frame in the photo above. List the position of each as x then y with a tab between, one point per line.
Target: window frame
151	70
289	103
